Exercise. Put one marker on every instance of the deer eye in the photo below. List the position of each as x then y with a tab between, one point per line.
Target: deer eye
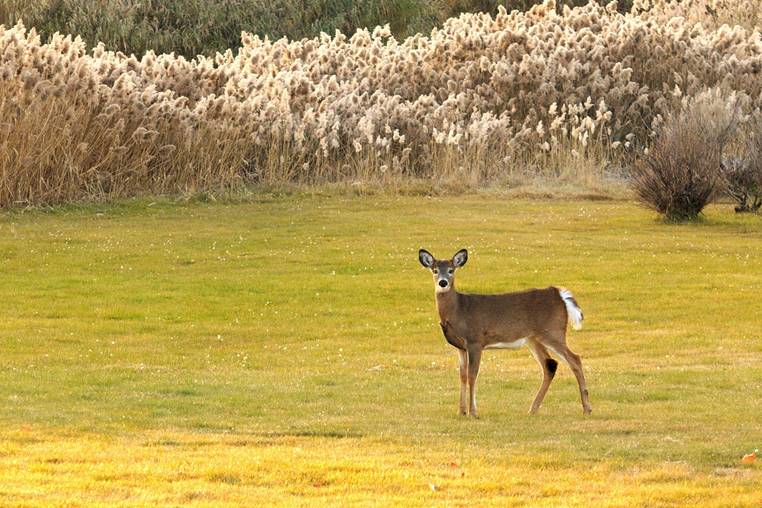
435	271
450	271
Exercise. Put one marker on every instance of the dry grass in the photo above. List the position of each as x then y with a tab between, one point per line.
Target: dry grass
204	27
711	13
46	467
57	151
477	102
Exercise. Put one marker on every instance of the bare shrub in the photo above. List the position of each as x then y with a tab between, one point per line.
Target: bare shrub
680	173
743	183
742	174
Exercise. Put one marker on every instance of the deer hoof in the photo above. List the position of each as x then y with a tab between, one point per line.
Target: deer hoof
586	411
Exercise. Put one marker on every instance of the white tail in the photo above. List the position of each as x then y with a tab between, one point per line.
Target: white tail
572	309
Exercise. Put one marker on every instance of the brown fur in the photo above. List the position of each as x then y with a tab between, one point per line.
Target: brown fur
473	322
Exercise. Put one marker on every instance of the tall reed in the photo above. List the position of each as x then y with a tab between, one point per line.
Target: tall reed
475	102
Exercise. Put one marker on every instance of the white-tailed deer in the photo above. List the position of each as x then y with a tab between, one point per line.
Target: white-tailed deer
537	318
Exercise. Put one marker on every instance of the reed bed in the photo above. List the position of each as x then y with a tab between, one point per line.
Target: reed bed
564	92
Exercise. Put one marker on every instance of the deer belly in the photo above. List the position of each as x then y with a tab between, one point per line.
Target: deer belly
507	345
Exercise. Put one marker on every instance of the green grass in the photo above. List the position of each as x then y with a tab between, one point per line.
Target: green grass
287	350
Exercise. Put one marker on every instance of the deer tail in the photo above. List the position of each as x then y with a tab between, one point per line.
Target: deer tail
573	311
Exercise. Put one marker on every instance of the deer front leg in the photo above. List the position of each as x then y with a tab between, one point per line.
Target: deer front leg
474	359
463	364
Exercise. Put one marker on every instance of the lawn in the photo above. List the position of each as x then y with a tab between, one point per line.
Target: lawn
286	350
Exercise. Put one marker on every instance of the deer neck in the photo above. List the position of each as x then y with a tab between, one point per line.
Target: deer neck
448	305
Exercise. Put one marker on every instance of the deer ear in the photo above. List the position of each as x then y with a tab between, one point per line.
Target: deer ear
460	258
425	258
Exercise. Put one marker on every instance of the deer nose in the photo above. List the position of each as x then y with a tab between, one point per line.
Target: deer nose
443	283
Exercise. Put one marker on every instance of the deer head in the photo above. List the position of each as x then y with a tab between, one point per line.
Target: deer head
443	270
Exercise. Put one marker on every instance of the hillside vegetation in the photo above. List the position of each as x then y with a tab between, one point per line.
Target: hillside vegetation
482	99
193	27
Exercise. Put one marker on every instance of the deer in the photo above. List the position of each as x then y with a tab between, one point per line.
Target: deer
537	318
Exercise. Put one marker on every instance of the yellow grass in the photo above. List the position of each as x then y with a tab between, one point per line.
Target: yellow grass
40	466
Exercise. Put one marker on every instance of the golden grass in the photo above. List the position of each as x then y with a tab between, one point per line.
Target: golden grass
45	467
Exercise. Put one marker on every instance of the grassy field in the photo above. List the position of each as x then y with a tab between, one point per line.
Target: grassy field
286	351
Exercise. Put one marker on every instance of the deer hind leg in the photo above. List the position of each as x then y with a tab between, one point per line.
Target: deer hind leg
474	359
463	364
548	366
575	364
